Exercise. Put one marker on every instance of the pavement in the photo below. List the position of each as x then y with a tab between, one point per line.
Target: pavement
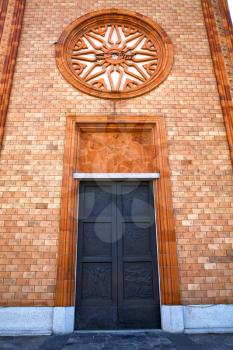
142	340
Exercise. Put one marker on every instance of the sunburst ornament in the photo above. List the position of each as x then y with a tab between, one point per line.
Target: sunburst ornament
114	54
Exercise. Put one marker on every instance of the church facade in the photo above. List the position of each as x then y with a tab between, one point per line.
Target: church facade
116	186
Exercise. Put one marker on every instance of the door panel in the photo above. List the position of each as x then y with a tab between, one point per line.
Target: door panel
96	239
96	290
136	240
138	281
117	272
96	282
138	289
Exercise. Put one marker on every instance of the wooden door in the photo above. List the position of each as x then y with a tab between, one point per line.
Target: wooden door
117	272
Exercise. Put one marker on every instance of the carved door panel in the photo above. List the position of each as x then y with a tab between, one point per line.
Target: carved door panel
117	274
138	282
96	290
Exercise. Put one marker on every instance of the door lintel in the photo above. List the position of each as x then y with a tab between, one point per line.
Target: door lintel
116	176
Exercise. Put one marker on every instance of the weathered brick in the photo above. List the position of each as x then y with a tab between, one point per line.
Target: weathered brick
31	160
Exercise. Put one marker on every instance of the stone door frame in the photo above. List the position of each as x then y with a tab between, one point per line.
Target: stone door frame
167	253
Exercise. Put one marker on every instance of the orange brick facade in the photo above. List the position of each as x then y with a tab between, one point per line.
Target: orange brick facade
31	159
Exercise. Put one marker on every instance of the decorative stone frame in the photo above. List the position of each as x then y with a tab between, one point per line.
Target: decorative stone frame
219	66
10	55
167	255
102	17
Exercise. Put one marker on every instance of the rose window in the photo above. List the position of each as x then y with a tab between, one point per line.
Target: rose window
114	54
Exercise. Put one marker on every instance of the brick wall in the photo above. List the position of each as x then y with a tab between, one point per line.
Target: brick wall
32	158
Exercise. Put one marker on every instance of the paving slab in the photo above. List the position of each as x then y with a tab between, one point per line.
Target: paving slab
138	340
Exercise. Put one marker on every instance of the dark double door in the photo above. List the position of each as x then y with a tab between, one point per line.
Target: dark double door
117	274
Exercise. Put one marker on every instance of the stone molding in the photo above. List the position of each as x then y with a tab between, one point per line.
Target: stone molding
6	78
3	12
220	71
227	25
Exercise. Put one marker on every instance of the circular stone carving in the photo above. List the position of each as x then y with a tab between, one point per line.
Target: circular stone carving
114	54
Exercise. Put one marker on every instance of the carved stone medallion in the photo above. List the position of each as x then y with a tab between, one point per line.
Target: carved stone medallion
114	54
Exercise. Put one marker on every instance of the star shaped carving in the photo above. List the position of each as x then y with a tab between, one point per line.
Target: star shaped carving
115	58
114	54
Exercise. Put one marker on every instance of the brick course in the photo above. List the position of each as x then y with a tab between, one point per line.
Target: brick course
32	157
